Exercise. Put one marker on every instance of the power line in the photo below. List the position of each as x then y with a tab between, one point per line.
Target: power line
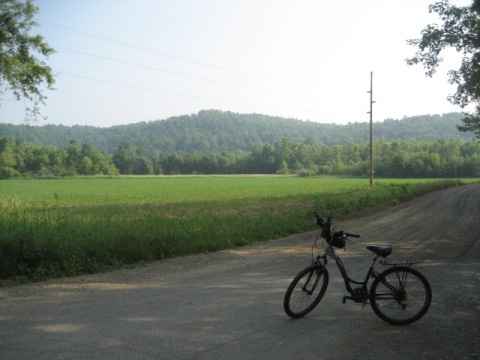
216	31
201	97
199	77
189	60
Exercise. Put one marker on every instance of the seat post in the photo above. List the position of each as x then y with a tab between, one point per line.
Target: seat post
373	263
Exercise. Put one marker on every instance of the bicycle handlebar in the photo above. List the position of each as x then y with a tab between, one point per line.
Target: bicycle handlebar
351	235
325	225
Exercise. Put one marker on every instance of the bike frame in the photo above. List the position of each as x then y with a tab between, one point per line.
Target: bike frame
330	253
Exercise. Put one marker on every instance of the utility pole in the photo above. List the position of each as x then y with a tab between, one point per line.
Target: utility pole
371	127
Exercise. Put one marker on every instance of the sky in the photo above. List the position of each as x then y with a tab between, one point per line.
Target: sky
126	61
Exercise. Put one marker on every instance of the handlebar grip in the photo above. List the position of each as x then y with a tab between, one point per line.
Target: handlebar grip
352	235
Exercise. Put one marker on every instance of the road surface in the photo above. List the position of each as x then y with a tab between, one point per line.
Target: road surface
228	304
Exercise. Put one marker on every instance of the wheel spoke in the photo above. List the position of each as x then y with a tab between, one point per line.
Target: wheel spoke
305	291
400	295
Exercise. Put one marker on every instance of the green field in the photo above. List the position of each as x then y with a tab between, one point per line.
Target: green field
65	227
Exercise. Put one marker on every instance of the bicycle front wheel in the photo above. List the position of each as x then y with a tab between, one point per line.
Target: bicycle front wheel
305	291
400	295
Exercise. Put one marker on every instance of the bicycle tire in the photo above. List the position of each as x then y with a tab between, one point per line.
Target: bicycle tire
400	295
305	291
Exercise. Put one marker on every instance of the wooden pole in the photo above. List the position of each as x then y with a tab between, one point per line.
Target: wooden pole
371	128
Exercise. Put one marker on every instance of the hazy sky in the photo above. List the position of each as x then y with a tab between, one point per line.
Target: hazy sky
127	61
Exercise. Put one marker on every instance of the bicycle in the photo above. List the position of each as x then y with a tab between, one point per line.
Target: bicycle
399	295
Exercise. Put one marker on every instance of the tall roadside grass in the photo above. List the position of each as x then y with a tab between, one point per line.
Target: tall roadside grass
52	239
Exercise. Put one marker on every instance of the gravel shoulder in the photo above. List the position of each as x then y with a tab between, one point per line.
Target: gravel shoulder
228	304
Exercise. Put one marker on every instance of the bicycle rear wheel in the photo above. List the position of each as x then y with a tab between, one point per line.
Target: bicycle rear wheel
305	291
400	295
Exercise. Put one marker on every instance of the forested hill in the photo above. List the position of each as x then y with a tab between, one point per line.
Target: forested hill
213	131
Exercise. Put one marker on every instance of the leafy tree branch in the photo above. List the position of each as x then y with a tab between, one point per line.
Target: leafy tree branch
460	30
21	72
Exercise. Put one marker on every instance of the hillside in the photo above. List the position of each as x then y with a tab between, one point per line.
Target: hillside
213	131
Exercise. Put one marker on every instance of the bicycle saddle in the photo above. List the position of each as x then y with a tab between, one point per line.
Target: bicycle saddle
380	250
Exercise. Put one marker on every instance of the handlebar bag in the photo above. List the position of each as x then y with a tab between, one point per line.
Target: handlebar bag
337	240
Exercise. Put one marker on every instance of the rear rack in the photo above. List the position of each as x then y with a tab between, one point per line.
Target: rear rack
399	262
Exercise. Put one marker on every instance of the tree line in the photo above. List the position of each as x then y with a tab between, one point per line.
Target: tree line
20	159
213	131
440	158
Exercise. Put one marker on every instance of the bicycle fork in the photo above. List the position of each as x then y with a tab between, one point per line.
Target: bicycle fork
317	278
315	283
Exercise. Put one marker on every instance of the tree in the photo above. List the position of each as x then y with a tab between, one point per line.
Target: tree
20	71
460	30
141	166
7	157
73	155
122	158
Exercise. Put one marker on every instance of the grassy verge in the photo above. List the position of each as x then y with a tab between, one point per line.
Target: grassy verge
53	238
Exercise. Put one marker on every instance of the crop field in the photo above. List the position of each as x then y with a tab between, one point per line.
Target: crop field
170	190
64	227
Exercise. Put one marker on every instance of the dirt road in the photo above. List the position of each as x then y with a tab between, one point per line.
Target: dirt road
228	305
